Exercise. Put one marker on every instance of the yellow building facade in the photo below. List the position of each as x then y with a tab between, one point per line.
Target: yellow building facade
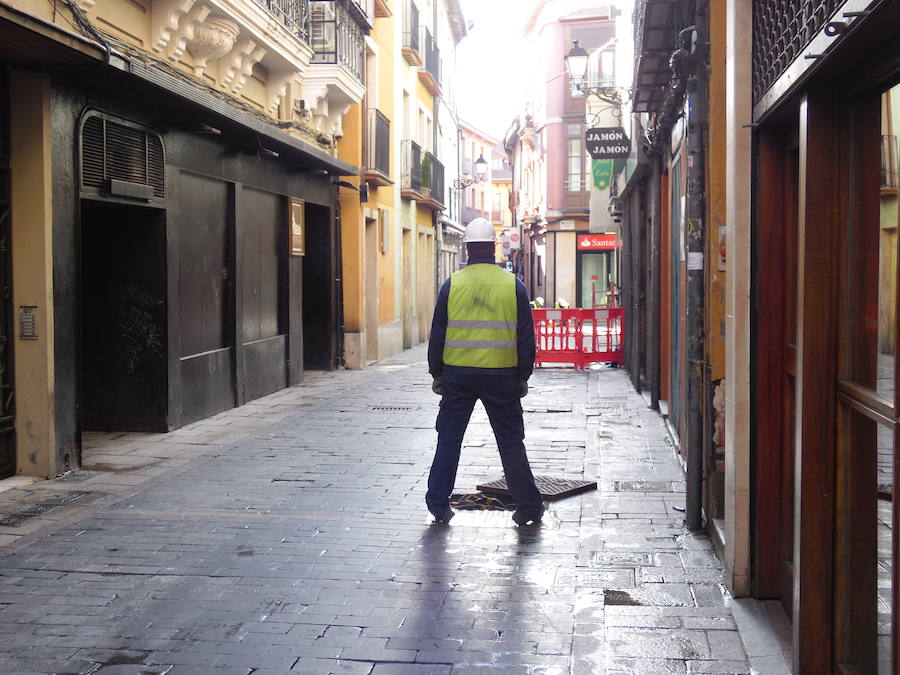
168	173
390	226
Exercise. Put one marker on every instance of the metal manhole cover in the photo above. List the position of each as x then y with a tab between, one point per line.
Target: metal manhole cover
39	507
550	488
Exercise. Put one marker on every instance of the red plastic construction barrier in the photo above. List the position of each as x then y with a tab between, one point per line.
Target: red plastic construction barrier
579	336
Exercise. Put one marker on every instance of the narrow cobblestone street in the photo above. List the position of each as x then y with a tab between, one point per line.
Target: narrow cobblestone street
290	535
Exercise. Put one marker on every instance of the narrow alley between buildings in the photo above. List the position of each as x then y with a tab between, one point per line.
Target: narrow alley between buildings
291	535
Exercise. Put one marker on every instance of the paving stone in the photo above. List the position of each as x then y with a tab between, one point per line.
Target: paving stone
290	535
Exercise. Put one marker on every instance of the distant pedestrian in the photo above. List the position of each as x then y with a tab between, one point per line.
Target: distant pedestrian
482	347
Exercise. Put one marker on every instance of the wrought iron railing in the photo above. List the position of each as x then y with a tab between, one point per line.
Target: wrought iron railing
336	36
889	159
433	178
411	168
378	150
432	57
781	30
292	14
411	28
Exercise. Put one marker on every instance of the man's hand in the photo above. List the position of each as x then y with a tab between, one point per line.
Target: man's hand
437	385
523	389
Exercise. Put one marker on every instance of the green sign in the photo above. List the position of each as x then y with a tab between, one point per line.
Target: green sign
602	170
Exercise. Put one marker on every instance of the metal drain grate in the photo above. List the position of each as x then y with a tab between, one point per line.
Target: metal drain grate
40	507
553	407
613	407
643	486
394	408
550	488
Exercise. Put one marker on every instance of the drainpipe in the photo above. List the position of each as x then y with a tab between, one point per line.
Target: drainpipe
697	116
654	226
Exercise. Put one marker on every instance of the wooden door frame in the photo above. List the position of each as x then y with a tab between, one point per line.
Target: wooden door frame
818	252
767	346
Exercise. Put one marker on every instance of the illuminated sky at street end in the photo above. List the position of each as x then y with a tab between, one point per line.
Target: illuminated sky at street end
490	92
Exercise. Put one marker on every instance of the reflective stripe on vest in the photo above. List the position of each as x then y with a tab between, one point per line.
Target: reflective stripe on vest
482	315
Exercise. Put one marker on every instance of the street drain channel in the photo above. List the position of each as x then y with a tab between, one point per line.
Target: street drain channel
40	507
550	488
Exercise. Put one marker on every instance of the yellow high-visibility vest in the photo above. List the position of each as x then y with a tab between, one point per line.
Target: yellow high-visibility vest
482	314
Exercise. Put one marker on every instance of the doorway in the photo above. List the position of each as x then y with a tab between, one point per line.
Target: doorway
319	310
123	318
371	291
595	287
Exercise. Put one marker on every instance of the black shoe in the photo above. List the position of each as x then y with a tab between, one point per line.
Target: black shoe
526	518
442	514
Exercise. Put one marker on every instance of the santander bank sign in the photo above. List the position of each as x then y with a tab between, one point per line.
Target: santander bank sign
596	242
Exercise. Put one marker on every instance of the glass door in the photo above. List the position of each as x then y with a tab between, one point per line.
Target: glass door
594	280
866	593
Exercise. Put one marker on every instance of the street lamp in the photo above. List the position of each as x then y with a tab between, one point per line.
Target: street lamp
577	64
481	167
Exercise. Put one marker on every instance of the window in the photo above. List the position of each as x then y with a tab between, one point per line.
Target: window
575	162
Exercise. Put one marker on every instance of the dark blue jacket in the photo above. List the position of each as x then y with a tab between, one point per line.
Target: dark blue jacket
524	334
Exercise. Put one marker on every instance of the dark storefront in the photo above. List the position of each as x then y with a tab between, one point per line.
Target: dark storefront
176	292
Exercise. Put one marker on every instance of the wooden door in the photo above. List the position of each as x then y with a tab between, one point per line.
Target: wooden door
776	360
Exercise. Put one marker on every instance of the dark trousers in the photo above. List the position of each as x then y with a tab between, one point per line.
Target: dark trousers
500	396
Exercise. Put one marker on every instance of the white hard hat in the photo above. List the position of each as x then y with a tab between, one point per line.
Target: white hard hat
479	229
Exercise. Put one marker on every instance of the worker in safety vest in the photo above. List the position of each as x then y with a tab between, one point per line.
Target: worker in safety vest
482	347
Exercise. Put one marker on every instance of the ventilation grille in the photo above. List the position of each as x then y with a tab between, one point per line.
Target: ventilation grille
122	152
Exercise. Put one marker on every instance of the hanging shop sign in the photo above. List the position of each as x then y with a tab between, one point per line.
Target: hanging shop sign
607	143
596	242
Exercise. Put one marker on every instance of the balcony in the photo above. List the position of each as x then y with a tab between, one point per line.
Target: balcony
334	81
411	48
470	213
432	183
364	11
378	149
292	14
503	175
411	170
336	36
430	76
